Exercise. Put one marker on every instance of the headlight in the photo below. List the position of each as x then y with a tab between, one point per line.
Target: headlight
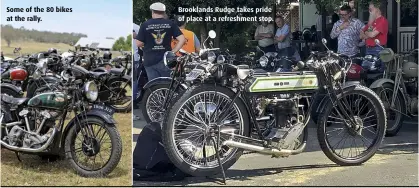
221	59
36	75
91	91
42	65
263	61
169	59
211	57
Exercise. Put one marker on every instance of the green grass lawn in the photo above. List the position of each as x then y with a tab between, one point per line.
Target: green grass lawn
33	171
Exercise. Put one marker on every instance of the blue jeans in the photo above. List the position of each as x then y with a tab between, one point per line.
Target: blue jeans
367	65
157	70
285	52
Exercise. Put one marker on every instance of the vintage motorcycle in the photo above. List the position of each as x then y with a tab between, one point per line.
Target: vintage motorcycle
210	125
155	92
90	141
398	89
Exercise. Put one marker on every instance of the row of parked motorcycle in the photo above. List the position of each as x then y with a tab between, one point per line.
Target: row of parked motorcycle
214	106
62	105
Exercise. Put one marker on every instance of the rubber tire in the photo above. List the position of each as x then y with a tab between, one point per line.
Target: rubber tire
167	132
147	93
397	128
128	108
10	92
116	152
381	122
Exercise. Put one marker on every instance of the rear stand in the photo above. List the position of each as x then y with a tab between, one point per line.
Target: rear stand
217	145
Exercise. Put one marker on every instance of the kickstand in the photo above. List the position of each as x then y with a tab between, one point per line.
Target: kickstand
17	155
216	145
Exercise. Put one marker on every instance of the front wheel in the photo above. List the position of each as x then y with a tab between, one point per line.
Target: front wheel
394	117
363	138
188	131
93	150
153	98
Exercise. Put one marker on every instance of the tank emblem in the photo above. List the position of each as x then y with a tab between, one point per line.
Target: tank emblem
59	99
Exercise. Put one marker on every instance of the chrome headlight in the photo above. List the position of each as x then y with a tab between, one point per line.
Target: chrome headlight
211	57
91	91
42	65
263	61
221	59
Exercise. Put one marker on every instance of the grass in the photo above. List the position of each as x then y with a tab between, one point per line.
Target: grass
33	171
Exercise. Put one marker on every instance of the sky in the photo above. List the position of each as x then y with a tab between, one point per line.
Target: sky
95	18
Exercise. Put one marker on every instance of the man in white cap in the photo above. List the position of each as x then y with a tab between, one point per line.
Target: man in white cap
155	36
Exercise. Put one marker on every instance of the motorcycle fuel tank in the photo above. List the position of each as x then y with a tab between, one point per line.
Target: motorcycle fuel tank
283	83
54	100
18	74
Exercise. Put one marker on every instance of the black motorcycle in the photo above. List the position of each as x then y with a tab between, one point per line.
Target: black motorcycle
90	141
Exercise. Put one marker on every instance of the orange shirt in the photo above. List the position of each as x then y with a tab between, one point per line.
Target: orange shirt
189	45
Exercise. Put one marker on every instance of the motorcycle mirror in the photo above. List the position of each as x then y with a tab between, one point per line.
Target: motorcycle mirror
212	34
377	41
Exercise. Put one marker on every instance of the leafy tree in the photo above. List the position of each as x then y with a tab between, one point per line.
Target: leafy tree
123	43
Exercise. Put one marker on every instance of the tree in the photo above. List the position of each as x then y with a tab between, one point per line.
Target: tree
123	43
8	34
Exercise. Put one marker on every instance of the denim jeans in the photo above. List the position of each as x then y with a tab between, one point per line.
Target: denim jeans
379	66
285	52
157	70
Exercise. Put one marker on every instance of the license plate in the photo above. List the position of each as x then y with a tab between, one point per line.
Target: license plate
107	109
194	74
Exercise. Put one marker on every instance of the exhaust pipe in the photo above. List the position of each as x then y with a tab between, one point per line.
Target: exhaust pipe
263	150
31	150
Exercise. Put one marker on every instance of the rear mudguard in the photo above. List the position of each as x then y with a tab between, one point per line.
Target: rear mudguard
161	80
114	77
322	97
109	120
12	87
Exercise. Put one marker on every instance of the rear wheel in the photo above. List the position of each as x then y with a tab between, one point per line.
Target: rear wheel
120	95
394	117
187	131
369	115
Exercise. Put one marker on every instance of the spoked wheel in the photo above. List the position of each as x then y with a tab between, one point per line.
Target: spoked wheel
120	95
348	144
191	127
95	150
394	117
153	99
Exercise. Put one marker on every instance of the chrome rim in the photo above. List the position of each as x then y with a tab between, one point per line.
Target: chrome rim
154	104
192	126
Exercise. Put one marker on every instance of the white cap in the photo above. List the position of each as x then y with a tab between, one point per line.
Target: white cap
158	7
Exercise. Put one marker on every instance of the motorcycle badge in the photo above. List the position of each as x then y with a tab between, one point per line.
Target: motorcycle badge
59	99
158	38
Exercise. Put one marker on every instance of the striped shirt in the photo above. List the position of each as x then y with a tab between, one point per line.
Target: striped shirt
348	38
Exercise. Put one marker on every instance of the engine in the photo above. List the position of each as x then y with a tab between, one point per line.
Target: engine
39	122
288	120
412	90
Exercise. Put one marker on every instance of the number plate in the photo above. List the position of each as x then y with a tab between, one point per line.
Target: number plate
107	109
194	74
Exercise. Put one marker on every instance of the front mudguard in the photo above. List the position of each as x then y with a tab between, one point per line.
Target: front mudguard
161	80
12	87
109	120
321	99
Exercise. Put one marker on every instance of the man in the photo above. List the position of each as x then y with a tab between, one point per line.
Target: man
264	34
136	62
282	38
155	37
192	43
376	29
351	3
347	31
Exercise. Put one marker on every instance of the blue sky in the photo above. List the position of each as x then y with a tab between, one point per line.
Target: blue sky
95	18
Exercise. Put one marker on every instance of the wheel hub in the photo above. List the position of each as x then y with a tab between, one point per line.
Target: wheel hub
357	128
90	147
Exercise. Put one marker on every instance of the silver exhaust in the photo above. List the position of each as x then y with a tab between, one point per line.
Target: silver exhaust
262	150
31	150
